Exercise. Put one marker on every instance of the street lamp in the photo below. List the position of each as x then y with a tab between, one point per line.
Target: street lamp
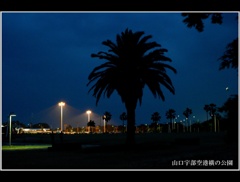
10	128
89	112
104	123
61	104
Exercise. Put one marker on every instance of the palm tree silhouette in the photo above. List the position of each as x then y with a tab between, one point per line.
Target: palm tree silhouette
130	65
187	112
155	118
170	114
107	116
207	109
212	109
91	124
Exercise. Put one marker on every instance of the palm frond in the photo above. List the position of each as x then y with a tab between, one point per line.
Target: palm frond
131	66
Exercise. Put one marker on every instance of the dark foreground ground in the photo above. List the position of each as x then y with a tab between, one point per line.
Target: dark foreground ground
169	151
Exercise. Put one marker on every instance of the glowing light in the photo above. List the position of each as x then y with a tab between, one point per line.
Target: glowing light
89	112
61	103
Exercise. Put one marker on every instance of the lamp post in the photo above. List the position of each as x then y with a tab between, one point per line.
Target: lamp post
104	123
10	128
88	113
61	104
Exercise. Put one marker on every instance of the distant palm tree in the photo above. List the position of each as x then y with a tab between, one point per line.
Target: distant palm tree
123	117
171	114
187	112
91	124
155	118
131	64
107	116
207	109
218	118
212	111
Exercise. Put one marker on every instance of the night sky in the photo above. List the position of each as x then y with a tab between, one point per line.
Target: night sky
46	58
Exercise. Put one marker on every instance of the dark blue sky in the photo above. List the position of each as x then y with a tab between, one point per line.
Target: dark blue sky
46	59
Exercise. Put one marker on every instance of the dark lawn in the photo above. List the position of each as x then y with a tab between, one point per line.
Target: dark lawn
163	151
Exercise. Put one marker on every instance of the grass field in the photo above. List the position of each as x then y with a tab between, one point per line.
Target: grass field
154	151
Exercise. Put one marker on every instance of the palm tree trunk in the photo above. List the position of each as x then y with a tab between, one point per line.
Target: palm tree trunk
169	126
122	126
130	140
214	122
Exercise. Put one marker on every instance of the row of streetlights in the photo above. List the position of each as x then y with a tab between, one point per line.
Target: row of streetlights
61	104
